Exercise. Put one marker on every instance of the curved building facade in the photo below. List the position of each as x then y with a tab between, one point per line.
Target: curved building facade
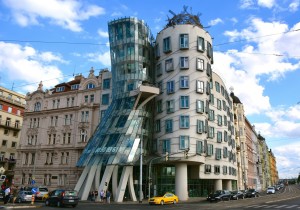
125	129
194	117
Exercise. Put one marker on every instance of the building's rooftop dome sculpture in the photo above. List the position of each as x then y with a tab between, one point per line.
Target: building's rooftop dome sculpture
184	18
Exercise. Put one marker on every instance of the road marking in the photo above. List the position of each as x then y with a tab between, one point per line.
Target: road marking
282	206
291	206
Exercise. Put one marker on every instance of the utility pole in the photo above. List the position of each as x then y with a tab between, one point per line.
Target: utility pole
141	172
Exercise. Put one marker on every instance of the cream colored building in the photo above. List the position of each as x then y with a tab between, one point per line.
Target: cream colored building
57	125
12	106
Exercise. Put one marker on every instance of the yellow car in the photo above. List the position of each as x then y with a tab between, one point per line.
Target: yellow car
166	198
45	197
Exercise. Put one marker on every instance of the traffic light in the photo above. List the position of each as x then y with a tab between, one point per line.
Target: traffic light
167	156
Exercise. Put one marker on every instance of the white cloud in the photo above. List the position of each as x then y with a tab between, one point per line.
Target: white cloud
246	4
115	14
215	22
65	13
29	65
103	58
102	33
266	3
294	6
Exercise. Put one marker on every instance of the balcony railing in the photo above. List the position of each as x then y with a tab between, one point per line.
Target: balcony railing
10	125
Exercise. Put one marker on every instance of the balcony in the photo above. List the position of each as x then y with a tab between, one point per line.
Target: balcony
9	125
12	101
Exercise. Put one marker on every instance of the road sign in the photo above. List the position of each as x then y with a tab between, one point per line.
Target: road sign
33	190
32	182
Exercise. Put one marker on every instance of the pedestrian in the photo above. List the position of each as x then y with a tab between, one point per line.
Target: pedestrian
7	195
108	196
101	195
15	193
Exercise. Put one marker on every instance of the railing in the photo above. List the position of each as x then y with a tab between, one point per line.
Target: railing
9	124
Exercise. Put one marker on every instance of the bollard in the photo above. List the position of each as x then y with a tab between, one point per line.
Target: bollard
32	199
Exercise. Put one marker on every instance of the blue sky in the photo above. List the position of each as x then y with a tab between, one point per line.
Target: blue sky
256	51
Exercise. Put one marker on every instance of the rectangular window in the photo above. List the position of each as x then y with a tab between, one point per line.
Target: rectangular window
157	51
74	87
225	120
105	99
219	136
211	115
199	147
169	125
200	126
224	105
212	99
199	64
199	106
209	50
170	87
211	132
158	70
92	98
167	45
184	82
199	86
208	70
157	126
166	145
170	106
169	66
219	104
106	84
184	62
60	89
159	106
220	120
217	84
224	170
160	86
184	41
217	169
225	152
184	121
184	102
200	44
207	168
210	149
184	142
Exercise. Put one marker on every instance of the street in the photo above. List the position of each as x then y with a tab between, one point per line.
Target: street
287	198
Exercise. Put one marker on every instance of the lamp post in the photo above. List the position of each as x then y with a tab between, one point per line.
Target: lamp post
141	173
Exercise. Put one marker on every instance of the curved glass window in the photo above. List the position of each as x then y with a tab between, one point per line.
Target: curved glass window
90	86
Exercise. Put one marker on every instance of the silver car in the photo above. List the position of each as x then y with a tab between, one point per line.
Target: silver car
24	196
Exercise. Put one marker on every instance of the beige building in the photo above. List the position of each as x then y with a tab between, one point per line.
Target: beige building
57	125
12	106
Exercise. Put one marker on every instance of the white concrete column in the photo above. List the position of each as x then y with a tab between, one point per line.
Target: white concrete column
181	182
218	184
228	185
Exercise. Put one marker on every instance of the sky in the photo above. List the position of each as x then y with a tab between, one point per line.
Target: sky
256	52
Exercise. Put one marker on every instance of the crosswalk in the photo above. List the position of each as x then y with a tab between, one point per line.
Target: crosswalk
273	207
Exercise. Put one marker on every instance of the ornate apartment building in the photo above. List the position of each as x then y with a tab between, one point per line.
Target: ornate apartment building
12	105
57	125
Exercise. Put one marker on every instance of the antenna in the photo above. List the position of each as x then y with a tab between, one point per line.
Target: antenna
12	88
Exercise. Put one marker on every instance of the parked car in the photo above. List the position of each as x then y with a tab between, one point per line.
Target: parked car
2	195
251	193
219	195
24	196
62	197
162	199
271	190
237	194
40	192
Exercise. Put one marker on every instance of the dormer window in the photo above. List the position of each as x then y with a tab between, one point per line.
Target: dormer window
75	87
60	89
90	86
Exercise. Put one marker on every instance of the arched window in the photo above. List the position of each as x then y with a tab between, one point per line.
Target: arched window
90	86
37	106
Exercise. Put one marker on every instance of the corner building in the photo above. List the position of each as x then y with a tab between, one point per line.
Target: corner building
194	115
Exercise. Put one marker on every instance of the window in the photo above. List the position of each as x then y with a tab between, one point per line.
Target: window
170	106
170	87
199	86
225	152
6	132
9	110
211	115
159	106
199	64
84	116
157	126
199	106
217	169
200	126
184	82
166	145
224	105
184	62
169	65
225	136
160	86
211	132
217	84
209	50
83	135
169	125
86	98
200	44
75	87
212	99
199	147
157	51
225	120
184	142
90	86
1	107
220	120
210	149
184	121
60	89
4	143
207	168
184	41
13	144
106	84
167	45
105	99
224	169
208	70
184	102
219	136
37	107
219	104
158	70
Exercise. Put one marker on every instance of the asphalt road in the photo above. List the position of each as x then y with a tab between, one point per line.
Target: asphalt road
287	198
